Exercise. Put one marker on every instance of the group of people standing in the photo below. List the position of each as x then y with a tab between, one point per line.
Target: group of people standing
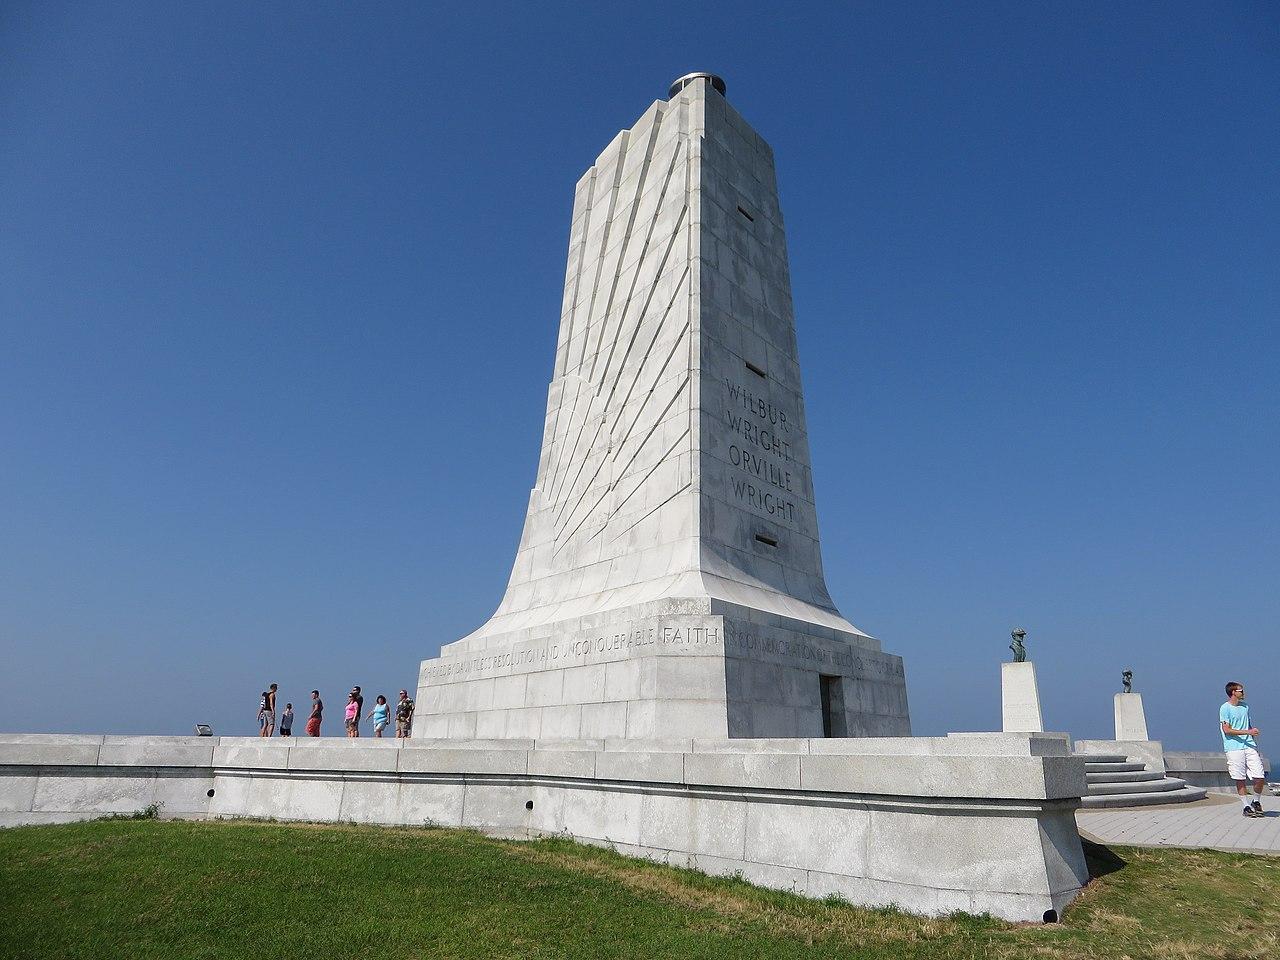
380	714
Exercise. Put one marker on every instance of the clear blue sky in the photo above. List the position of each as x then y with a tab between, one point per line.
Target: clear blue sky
279	286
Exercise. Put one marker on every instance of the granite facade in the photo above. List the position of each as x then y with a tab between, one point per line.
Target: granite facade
669	574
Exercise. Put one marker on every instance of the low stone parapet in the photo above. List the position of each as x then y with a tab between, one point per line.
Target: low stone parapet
980	823
1207	770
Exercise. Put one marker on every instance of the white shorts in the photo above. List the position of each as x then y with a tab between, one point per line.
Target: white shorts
1244	764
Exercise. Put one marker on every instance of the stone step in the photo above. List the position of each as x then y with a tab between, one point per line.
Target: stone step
1116	767
1103	757
1184	795
1164	784
1123	776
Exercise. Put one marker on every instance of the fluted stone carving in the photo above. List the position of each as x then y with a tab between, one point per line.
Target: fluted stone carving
669	576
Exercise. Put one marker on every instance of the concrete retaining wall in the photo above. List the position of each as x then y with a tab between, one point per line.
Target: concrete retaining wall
1208	770
980	823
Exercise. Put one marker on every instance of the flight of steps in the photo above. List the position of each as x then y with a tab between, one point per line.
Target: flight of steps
1117	781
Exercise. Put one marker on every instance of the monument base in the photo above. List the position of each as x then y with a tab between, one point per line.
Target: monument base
982	823
1131	719
700	667
1020	698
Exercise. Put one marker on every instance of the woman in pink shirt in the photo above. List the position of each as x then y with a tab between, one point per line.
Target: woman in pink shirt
353	716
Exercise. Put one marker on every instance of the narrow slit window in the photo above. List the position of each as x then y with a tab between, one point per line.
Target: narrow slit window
767	540
754	369
745	214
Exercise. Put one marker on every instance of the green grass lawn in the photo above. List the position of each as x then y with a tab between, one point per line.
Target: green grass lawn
259	891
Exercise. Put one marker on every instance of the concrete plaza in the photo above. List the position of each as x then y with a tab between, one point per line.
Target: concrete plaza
1213	823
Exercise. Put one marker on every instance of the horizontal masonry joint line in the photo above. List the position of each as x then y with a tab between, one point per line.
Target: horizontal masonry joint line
736	791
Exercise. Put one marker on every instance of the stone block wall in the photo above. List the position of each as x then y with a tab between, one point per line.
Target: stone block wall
741	674
979	823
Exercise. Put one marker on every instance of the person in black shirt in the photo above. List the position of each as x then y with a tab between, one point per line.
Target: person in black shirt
269	712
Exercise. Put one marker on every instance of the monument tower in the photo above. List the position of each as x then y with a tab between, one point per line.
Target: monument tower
669	581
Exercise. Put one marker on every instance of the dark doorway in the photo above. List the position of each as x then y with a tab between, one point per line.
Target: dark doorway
832	692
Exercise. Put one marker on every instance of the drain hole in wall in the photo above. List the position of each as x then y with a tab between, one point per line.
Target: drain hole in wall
528	804
1051	916
209	792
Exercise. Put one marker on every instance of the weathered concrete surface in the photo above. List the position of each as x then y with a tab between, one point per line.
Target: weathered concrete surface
669	575
982	823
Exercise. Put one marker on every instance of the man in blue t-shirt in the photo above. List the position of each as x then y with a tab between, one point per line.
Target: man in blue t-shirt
1239	740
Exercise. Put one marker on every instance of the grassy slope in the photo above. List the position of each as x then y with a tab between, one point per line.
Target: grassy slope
148	889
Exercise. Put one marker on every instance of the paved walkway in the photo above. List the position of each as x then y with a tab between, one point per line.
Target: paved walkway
1212	822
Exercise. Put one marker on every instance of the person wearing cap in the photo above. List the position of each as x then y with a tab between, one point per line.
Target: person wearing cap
404	716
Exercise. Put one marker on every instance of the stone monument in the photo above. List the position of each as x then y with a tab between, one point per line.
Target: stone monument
669	579
1131	718
666	674
1019	692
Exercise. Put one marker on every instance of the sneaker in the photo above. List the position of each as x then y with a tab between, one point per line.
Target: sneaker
1257	808
1251	813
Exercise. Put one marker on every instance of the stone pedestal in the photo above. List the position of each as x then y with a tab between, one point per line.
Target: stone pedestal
1020	698
1131	719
